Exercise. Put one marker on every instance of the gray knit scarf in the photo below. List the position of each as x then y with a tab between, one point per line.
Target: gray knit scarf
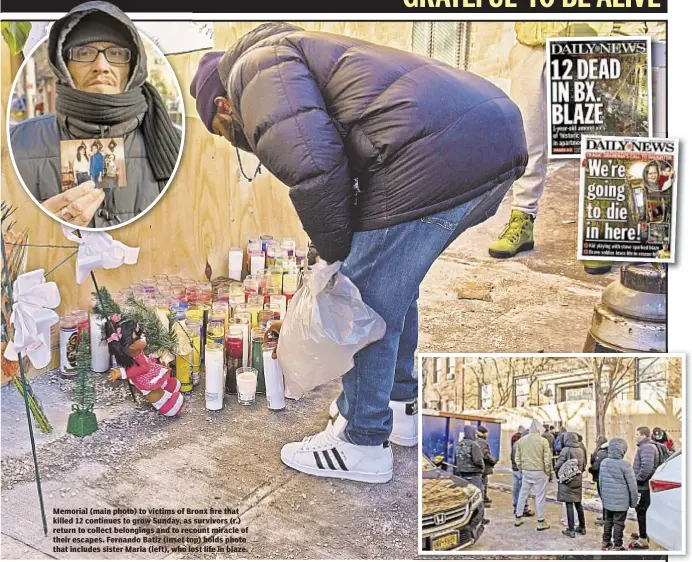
161	139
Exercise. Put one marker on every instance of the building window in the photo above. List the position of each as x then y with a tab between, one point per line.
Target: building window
521	391
446	41
434	405
651	380
575	393
437	377
450	406
451	369
486	395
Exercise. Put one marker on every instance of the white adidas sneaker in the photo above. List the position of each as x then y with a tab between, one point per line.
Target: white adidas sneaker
327	454
405	426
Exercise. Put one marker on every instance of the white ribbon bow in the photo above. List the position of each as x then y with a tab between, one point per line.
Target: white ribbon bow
98	249
32	318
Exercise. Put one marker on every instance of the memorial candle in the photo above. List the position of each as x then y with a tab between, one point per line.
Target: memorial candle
214	376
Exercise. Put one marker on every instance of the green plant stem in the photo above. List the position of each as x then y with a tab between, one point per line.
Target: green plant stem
39	415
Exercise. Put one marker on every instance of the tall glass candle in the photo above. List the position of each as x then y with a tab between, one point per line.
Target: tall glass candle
302	257
235	263
255	304
183	371
243	319
214	377
276	278
273	378
68	345
216	328
100	356
235	343
257	359
289	246
271	249
281	301
194	332
149	285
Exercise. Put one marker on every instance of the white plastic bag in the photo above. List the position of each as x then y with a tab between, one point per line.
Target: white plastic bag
326	324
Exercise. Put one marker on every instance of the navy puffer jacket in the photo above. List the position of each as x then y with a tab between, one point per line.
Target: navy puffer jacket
321	110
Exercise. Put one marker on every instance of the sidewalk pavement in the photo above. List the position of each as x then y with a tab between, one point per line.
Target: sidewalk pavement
501	534
230	458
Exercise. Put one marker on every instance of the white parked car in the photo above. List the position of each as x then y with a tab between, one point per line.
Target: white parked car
664	516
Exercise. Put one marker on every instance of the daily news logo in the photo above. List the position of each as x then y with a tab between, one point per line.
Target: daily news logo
630	146
605	48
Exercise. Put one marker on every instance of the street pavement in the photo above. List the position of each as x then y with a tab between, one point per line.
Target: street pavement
502	535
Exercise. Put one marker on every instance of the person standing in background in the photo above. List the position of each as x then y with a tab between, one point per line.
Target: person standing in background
527	62
645	463
488	460
468	459
535	460
516	472
570	491
618	490
597	457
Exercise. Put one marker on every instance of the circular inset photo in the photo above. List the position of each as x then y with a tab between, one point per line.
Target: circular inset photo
95	120
658	175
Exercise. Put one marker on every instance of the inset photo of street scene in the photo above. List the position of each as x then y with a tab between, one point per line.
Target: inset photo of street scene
563	454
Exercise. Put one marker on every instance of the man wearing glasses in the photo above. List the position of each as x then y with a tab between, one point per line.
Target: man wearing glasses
100	63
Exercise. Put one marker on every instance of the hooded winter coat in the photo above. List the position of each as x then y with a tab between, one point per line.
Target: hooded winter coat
469	456
597	458
617	482
321	111
645	463
571	491
533	451
36	143
488	458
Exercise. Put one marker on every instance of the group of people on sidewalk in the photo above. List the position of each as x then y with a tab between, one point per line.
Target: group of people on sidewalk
542	454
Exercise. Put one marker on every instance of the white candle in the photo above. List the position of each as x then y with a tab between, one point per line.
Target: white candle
214	379
246	320
235	263
247	385
100	356
274	382
257	262
281	301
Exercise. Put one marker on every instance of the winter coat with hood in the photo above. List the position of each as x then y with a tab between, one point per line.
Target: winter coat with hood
596	459
571	491
533	451
321	111
36	142
645	463
469	456
617	481
550	438
488	458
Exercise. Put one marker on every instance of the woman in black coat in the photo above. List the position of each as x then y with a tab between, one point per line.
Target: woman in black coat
570	492
600	453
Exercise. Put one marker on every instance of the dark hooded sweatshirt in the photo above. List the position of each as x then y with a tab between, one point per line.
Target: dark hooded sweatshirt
469	456
321	110
36	142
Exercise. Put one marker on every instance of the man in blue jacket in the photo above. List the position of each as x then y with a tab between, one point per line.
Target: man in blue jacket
389	156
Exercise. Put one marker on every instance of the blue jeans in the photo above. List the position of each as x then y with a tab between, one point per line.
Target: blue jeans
388	265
